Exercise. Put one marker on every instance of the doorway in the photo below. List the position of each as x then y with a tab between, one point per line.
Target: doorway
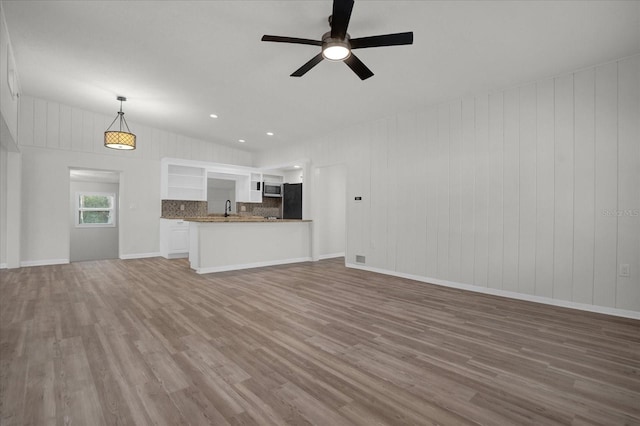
93	214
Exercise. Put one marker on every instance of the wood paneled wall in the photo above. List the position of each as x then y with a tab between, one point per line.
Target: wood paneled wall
53	137
534	189
48	124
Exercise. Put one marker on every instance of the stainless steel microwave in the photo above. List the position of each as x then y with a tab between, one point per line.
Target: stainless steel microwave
271	189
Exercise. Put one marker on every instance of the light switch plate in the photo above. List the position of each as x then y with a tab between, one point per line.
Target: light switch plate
623	270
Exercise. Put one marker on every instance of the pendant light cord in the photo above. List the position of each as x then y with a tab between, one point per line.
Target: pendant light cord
121	116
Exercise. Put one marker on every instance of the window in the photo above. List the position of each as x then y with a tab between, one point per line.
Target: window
95	209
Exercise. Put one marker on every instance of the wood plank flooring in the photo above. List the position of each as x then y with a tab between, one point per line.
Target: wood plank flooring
142	342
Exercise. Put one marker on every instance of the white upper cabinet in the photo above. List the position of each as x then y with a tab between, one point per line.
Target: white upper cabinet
183	182
255	192
187	180
272	178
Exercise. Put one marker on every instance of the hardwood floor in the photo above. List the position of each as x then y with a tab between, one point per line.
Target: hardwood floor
150	342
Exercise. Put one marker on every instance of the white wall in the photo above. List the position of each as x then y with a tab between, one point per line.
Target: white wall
293	176
516	190
3	207
9	101
55	137
92	243
217	198
9	156
330	210
11	219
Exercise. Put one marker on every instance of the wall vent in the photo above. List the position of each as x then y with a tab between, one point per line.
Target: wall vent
360	258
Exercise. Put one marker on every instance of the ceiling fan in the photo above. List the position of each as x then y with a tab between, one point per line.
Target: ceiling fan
337	45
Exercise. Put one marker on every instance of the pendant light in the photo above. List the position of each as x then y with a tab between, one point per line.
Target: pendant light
119	139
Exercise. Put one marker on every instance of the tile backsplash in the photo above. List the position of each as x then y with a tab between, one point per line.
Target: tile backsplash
269	207
171	208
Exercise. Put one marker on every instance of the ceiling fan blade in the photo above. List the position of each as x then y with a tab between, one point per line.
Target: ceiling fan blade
306	67
382	40
340	18
294	40
358	67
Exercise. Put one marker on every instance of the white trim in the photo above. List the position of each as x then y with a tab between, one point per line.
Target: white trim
184	255
139	255
3	266
330	256
250	265
45	262
503	293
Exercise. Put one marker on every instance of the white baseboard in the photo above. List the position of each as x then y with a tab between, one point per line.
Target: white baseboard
177	256
212	269
45	262
330	256
510	294
139	255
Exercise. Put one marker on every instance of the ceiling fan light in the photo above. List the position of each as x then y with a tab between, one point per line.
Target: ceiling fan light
336	52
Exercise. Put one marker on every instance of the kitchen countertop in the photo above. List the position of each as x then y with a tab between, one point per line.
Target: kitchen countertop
234	219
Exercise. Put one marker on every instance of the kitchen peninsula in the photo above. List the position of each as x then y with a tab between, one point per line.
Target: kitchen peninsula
248	233
219	244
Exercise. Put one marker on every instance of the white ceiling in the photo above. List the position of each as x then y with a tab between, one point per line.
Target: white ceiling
179	61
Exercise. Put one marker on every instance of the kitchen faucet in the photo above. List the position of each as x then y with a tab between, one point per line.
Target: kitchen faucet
227	208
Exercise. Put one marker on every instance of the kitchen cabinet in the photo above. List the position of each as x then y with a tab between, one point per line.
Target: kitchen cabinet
174	238
271	178
255	192
234	245
187	180
183	182
245	182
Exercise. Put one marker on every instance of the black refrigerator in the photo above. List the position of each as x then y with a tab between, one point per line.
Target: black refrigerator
292	201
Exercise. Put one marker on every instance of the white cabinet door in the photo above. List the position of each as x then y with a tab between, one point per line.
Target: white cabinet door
243	189
179	239
174	238
255	195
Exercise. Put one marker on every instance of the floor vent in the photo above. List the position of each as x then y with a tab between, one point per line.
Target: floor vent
360	258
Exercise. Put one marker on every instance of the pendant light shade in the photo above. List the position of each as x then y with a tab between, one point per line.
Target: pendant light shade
120	139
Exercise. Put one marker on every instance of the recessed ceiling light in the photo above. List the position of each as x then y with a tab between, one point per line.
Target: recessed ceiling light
213	116
296	167
241	140
269	133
